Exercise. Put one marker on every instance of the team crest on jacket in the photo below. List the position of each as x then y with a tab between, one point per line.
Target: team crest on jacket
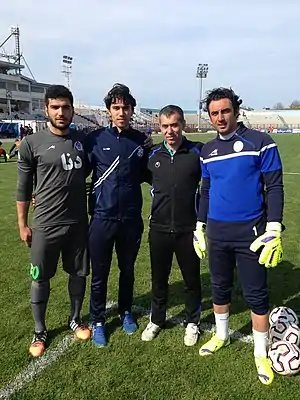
157	164
78	146
140	152
238	146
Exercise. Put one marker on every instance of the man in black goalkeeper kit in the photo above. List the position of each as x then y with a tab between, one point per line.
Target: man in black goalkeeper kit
55	160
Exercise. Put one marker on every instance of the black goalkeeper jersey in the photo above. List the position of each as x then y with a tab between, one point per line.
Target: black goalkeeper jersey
55	165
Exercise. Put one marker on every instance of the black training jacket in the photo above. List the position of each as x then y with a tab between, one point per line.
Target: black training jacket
175	183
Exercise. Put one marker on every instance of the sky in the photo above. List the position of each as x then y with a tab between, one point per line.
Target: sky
154	47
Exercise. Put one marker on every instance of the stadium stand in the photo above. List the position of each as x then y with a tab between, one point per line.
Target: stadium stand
92	117
263	119
256	118
291	117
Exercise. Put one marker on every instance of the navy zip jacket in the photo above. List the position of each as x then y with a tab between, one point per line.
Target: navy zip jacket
119	165
241	184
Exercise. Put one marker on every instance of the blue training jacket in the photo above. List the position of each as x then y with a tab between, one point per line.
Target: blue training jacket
119	165
241	179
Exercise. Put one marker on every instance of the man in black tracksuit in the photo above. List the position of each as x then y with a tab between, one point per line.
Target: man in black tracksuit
176	172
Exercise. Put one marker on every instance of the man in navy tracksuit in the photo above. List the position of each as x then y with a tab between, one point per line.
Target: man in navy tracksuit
119	163
241	205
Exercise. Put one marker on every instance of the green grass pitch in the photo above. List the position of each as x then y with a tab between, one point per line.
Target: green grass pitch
129	368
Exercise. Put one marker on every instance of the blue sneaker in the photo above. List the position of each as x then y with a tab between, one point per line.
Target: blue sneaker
99	334
129	324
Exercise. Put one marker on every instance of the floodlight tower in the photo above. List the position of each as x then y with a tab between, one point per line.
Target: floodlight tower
202	71
16	56
67	63
16	33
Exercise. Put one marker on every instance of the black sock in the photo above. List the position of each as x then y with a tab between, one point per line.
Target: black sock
39	298
76	286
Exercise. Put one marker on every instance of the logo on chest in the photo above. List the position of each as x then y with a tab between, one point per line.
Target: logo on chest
78	146
238	146
213	153
140	152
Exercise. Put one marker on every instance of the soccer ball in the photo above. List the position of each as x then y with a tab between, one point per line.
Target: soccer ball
285	358
283	313
286	331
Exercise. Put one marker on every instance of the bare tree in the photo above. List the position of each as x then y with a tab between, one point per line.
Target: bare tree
295	104
278	106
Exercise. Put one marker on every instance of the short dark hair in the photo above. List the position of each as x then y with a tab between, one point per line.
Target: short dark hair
224	93
120	92
58	92
170	110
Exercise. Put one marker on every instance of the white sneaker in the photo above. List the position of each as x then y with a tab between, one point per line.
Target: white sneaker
150	332
191	334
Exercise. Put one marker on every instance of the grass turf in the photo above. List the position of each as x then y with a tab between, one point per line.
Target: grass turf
129	368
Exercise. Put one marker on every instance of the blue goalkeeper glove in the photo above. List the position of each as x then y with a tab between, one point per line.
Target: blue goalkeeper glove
200	240
272	251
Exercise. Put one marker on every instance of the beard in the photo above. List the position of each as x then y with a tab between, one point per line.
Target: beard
61	125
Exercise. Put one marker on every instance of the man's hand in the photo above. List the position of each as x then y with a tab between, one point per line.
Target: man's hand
271	244
26	235
148	142
200	240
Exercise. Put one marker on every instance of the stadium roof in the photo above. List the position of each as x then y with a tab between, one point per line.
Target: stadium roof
8	65
36	83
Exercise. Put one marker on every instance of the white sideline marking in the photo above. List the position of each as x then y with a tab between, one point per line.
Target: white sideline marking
36	367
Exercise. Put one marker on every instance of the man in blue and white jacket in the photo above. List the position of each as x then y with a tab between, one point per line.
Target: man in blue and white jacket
118	159
241	209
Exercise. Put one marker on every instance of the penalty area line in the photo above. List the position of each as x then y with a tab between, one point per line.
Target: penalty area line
36	367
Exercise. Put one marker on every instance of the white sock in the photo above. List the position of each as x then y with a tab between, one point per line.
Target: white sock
222	325
260	343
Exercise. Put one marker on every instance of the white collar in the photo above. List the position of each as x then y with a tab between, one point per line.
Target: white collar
227	137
